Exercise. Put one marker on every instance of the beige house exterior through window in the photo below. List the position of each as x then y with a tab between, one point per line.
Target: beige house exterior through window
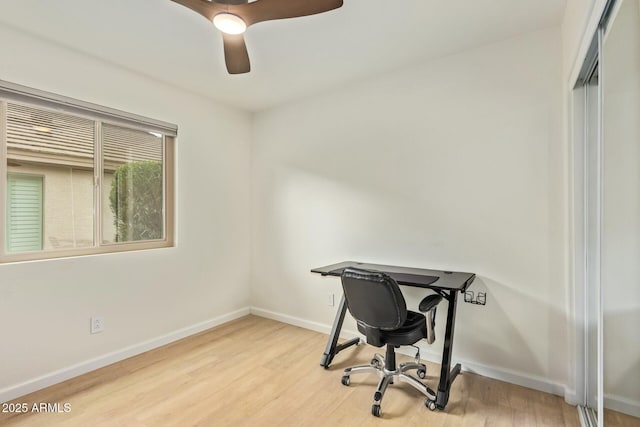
76	185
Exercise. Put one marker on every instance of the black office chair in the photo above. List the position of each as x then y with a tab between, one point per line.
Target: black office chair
376	303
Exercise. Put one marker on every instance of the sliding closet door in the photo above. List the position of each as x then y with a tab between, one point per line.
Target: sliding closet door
592	239
620	233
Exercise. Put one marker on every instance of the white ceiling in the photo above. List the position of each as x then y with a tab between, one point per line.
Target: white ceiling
290	58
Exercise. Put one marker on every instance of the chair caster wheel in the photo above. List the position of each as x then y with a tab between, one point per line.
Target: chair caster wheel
345	380
422	374
430	404
375	410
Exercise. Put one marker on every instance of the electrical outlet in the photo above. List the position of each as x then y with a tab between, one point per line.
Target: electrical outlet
331	301
97	324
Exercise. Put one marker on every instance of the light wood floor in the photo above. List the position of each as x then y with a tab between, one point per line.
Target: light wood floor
258	372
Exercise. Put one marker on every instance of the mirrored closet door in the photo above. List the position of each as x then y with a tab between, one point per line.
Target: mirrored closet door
620	238
609	88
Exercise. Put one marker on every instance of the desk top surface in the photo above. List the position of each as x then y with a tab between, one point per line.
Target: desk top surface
417	277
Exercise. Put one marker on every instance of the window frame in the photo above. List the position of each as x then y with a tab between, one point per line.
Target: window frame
118	118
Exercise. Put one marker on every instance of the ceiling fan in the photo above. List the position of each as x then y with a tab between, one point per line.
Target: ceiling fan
232	17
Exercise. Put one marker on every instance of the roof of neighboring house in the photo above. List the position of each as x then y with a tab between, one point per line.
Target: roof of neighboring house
42	136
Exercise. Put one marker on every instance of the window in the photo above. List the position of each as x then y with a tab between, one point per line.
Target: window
81	179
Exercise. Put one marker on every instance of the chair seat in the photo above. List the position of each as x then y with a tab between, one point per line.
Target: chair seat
412	330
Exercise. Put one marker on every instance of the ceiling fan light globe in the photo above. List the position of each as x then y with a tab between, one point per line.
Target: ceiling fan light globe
229	23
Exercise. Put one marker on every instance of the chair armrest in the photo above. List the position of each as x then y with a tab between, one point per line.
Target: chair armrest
429	302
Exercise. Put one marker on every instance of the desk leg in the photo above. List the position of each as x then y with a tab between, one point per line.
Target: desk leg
332	344
446	374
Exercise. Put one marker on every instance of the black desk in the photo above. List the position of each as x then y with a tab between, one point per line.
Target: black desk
445	283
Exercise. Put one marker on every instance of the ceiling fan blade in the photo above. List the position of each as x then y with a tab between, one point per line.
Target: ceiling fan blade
235	54
204	8
267	10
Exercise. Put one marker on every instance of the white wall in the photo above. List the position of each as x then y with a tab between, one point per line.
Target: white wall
621	210
45	306
455	164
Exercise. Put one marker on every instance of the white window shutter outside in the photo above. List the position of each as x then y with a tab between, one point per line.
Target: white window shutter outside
24	213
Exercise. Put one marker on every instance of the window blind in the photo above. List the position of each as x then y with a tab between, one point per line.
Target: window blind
38	98
34	133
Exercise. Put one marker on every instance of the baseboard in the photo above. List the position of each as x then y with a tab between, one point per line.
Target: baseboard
501	374
534	382
303	323
621	404
64	374
571	397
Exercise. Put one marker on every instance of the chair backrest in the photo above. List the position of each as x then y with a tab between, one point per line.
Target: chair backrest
374	299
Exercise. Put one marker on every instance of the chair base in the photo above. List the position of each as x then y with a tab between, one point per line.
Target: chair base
388	373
